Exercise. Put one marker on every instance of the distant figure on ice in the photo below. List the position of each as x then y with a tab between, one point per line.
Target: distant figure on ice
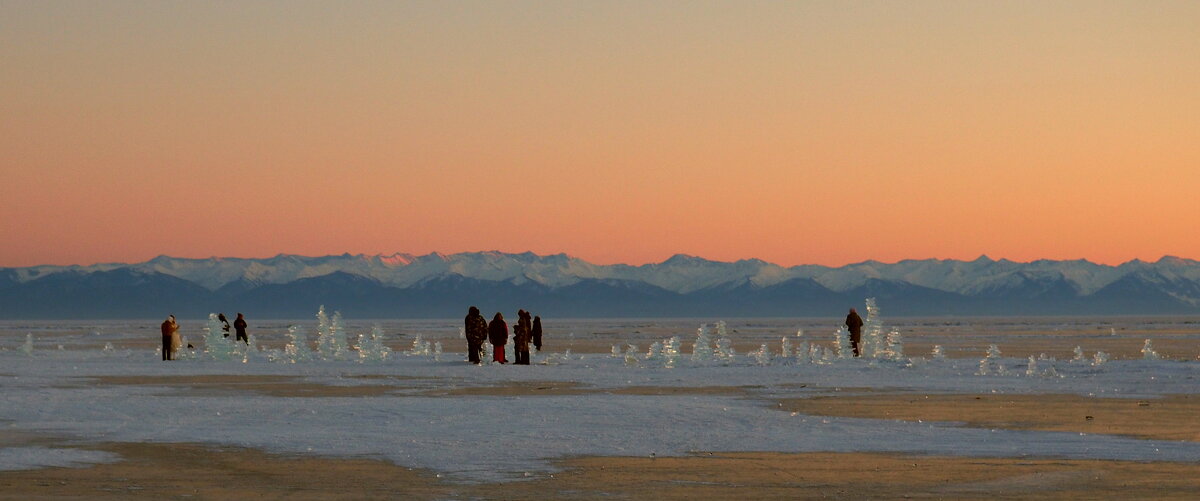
537	333
498	335
240	326
224	323
476	329
522	333
170	338
854	323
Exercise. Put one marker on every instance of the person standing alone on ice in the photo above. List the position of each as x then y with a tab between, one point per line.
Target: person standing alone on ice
170	338
498	335
239	325
854	323
476	330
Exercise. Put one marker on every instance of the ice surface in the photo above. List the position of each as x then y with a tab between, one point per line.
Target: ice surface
28	458
55	393
444	433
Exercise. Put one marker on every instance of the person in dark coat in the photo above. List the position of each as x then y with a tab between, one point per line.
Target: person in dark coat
854	323
476	329
224	323
498	335
169	332
521	337
239	325
537	333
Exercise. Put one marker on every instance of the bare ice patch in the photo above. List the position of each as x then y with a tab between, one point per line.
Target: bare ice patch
31	458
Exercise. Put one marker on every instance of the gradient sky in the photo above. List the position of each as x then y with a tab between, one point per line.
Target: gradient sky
796	132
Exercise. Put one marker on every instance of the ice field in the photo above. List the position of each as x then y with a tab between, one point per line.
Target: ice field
104	382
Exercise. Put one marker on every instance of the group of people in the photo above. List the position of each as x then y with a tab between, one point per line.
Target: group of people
478	331
525	332
172	340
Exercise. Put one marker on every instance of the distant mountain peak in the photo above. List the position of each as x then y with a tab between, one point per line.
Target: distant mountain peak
685	259
397	259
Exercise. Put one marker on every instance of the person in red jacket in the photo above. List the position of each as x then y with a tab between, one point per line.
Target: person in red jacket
498	335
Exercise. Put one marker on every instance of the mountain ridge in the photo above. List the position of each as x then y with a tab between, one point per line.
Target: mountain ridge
442	284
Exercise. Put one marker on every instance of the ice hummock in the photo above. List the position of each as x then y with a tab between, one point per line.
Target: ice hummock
873	342
841	339
27	347
762	356
216	345
702	350
803	355
1078	356
371	347
331	336
1148	352
297	349
991	365
670	351
420	347
631	359
725	352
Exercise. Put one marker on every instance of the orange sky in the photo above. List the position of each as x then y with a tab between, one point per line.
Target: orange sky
795	132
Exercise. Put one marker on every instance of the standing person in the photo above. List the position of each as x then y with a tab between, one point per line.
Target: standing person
224	323
537	333
240	326
170	332
521	336
476	330
855	324
498	335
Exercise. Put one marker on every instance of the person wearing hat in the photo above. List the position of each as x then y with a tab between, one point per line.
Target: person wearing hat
476	331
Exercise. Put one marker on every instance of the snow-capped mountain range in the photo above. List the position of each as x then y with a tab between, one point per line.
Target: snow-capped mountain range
393	285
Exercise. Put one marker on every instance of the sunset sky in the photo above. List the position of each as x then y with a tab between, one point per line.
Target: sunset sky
795	132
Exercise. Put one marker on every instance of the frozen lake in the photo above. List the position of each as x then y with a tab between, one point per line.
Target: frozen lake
84	382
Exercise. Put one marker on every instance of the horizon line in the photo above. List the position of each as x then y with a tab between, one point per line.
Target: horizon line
983	257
